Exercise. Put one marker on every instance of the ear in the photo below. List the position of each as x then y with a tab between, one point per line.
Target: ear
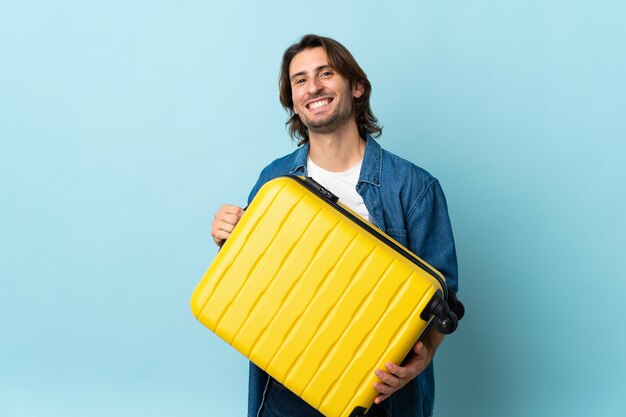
358	90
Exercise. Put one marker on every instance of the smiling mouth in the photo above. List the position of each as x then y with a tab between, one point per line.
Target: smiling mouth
318	104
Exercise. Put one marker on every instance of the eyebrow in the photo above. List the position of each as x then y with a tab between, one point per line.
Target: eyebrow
318	69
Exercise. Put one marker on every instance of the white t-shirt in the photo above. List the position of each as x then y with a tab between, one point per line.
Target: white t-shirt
342	184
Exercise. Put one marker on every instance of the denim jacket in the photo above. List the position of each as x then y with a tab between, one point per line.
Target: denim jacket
407	203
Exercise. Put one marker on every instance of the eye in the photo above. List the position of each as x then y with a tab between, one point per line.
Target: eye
299	81
326	74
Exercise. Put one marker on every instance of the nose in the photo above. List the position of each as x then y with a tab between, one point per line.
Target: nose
314	86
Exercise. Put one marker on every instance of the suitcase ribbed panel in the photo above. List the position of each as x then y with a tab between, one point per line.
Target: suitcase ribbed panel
313	299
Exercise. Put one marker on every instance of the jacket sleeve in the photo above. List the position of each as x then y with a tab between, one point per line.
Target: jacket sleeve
263	178
430	233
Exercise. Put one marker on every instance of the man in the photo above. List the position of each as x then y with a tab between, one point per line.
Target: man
326	95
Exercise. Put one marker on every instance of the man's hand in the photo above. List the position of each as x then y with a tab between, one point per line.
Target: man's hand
224	222
396	377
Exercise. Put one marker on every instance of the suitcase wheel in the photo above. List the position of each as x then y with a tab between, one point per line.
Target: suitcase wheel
445	320
456	306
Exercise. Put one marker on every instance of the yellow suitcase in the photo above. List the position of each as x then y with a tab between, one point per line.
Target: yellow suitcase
317	297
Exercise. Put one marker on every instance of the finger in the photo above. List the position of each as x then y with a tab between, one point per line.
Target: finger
228	210
381	398
420	349
231	209
219	235
384	388
397	371
224	221
222	227
221	231
227	225
227	218
387	378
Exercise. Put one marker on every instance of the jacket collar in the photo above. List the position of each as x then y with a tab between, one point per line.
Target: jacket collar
372	167
299	161
370	170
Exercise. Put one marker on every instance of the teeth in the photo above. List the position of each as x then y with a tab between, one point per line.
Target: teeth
318	104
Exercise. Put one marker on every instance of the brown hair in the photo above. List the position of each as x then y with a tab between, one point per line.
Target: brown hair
342	61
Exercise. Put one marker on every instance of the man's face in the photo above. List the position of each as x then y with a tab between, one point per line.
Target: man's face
322	98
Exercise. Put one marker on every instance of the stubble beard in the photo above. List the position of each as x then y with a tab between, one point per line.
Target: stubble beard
333	121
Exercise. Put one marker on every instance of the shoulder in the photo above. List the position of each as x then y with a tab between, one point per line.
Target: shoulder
288	164
405	174
401	164
281	166
284	165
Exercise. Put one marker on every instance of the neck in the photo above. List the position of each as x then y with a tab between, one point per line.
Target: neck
337	151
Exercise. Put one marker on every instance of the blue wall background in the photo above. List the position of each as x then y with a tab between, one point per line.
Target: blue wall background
124	126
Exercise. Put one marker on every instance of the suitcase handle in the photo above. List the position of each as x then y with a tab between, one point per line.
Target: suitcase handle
319	188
